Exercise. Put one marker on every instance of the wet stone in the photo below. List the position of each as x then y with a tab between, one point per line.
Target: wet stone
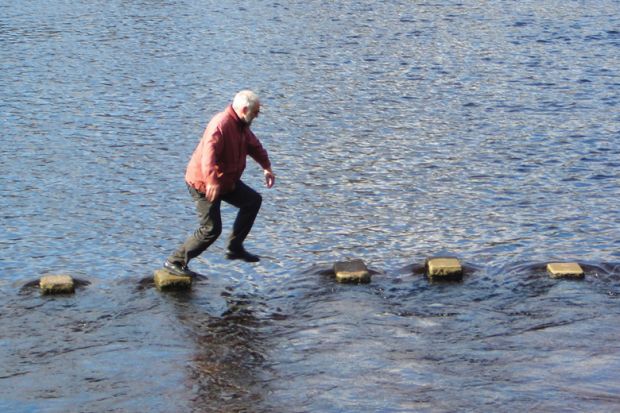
444	269
354	271
165	280
57	284
565	270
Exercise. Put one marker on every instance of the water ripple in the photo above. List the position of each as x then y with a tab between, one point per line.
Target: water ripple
397	131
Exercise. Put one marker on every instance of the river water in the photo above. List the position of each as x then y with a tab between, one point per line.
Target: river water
398	130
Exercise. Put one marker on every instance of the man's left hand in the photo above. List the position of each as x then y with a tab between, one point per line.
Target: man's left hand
270	178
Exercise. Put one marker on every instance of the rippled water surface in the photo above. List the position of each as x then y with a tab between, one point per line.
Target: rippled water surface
398	130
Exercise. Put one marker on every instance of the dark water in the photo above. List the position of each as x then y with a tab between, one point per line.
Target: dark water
398	131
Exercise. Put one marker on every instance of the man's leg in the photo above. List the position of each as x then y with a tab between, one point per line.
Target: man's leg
209	230
248	201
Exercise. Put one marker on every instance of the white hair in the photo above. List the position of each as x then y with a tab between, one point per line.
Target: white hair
245	99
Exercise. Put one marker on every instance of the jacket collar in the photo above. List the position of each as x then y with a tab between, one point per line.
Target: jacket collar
231	112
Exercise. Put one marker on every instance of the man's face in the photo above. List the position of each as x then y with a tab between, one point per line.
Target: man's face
251	114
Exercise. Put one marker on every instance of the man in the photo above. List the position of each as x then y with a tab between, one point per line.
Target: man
214	175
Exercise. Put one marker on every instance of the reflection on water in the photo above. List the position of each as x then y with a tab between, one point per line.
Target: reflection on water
224	373
496	339
398	131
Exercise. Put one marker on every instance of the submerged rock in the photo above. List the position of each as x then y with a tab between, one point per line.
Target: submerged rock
165	280
354	271
57	284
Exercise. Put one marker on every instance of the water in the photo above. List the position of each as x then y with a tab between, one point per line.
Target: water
485	130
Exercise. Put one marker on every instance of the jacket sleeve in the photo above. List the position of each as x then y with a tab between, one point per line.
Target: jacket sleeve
257	152
211	152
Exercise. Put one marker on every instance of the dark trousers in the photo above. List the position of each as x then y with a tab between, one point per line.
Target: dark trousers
243	197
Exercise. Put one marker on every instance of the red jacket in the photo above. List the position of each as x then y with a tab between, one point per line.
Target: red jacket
220	156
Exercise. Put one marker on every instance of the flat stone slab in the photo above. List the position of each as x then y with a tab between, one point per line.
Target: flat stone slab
165	280
565	270
354	271
444	269
57	284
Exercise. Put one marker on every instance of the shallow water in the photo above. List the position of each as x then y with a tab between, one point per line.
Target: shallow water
397	131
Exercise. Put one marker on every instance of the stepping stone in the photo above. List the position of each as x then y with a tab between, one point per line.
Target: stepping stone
57	284
565	270
444	269
354	271
165	280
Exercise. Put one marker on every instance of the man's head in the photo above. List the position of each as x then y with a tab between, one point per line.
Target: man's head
246	105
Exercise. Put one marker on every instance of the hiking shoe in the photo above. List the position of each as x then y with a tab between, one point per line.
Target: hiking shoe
178	269
243	255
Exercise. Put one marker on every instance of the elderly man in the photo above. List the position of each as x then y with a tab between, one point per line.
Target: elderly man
214	175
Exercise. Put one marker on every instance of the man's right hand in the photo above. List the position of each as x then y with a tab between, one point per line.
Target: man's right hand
212	192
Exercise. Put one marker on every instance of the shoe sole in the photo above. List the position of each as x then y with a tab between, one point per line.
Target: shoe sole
238	257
